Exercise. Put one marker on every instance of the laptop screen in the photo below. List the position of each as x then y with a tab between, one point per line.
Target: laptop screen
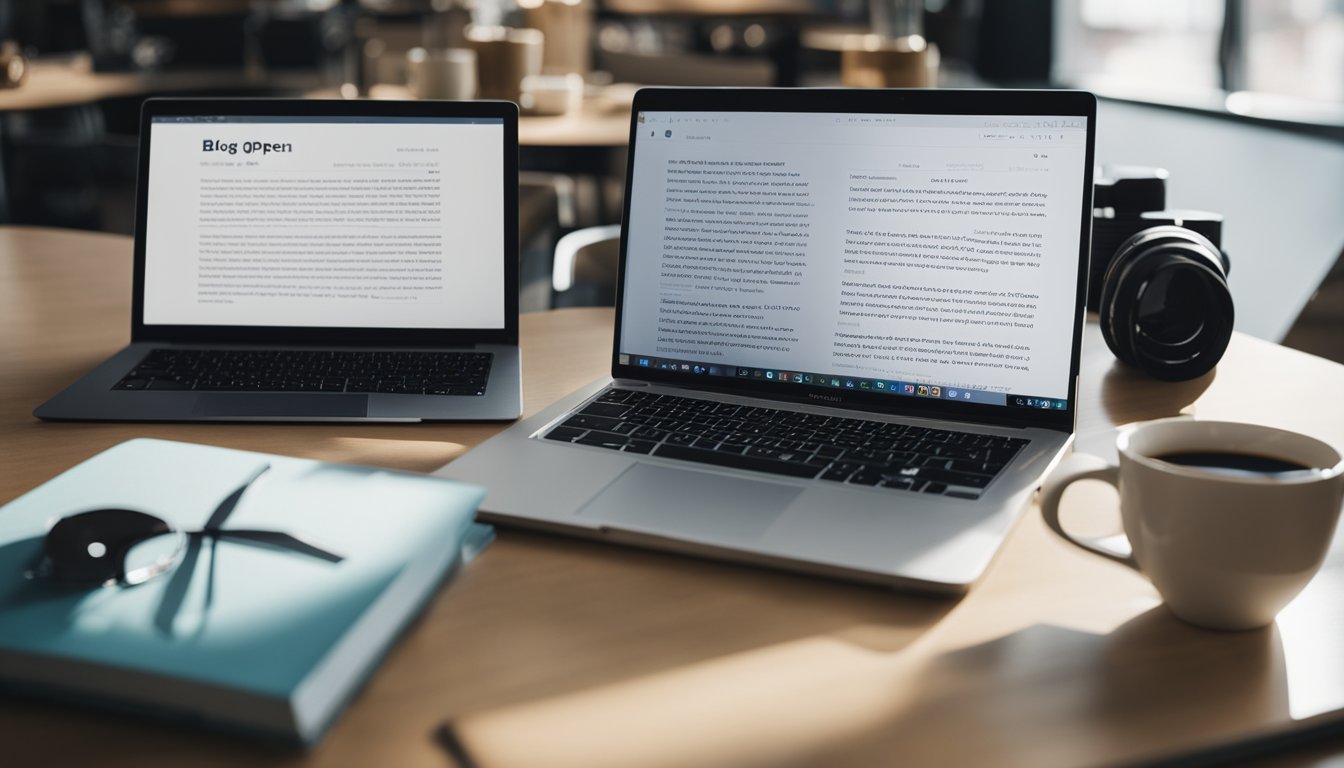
393	222
902	255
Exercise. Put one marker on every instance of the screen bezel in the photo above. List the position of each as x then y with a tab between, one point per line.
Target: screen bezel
334	335
873	101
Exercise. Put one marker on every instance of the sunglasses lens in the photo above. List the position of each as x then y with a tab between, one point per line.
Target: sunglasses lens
92	548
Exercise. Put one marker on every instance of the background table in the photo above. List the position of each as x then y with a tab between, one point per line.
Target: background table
553	651
604	120
65	84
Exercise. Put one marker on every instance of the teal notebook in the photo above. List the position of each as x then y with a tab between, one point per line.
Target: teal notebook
239	634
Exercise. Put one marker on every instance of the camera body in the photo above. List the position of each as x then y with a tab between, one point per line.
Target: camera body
1158	277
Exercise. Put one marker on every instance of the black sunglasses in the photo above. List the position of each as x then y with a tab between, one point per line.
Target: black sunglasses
123	547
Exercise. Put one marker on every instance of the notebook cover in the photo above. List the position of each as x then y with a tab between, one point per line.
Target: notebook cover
238	635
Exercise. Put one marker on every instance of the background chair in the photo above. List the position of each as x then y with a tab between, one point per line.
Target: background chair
584	270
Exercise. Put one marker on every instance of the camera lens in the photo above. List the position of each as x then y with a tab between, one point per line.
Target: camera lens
1173	304
1166	309
1182	318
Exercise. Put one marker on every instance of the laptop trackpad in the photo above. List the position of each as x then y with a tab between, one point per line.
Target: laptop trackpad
293	406
699	505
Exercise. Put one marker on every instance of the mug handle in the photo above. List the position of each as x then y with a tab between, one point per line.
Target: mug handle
1081	466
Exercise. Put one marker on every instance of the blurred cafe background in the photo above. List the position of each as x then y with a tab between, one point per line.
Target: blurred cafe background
1241	101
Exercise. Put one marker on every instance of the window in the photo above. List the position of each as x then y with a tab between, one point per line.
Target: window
1281	56
1295	48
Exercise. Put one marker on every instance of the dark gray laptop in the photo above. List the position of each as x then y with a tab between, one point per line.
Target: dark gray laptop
847	338
319	261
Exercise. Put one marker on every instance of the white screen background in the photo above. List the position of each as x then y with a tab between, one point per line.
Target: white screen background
373	225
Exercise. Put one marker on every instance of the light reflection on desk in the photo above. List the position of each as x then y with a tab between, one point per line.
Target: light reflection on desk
1310	628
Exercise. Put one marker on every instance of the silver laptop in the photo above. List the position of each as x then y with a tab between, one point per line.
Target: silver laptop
847	334
318	261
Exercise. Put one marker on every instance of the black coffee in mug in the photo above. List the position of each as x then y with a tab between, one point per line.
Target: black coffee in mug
1234	464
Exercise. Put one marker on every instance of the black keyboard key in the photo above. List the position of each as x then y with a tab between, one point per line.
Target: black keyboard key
866	477
152	372
167	384
605	409
935	488
735	461
581	421
978	467
1001	455
639	446
604	440
764	452
901	473
567	434
649	433
865	456
955	478
961	452
619	396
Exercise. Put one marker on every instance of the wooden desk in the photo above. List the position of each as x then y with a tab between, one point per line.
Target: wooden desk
548	651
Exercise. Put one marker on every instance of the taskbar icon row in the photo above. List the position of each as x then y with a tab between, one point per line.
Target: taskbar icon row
832	381
1038	403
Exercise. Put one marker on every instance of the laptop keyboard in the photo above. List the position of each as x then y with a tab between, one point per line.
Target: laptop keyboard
835	448
419	373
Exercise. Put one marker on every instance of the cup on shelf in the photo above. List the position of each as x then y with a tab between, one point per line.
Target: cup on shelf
552	94
448	73
878	61
568	27
13	65
504	56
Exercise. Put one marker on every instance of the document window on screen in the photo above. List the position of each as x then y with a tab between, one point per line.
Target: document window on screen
325	222
918	255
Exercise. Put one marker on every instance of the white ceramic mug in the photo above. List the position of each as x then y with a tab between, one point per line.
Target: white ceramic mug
1225	552
441	73
552	94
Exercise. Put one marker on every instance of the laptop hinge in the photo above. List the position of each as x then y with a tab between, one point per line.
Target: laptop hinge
299	345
